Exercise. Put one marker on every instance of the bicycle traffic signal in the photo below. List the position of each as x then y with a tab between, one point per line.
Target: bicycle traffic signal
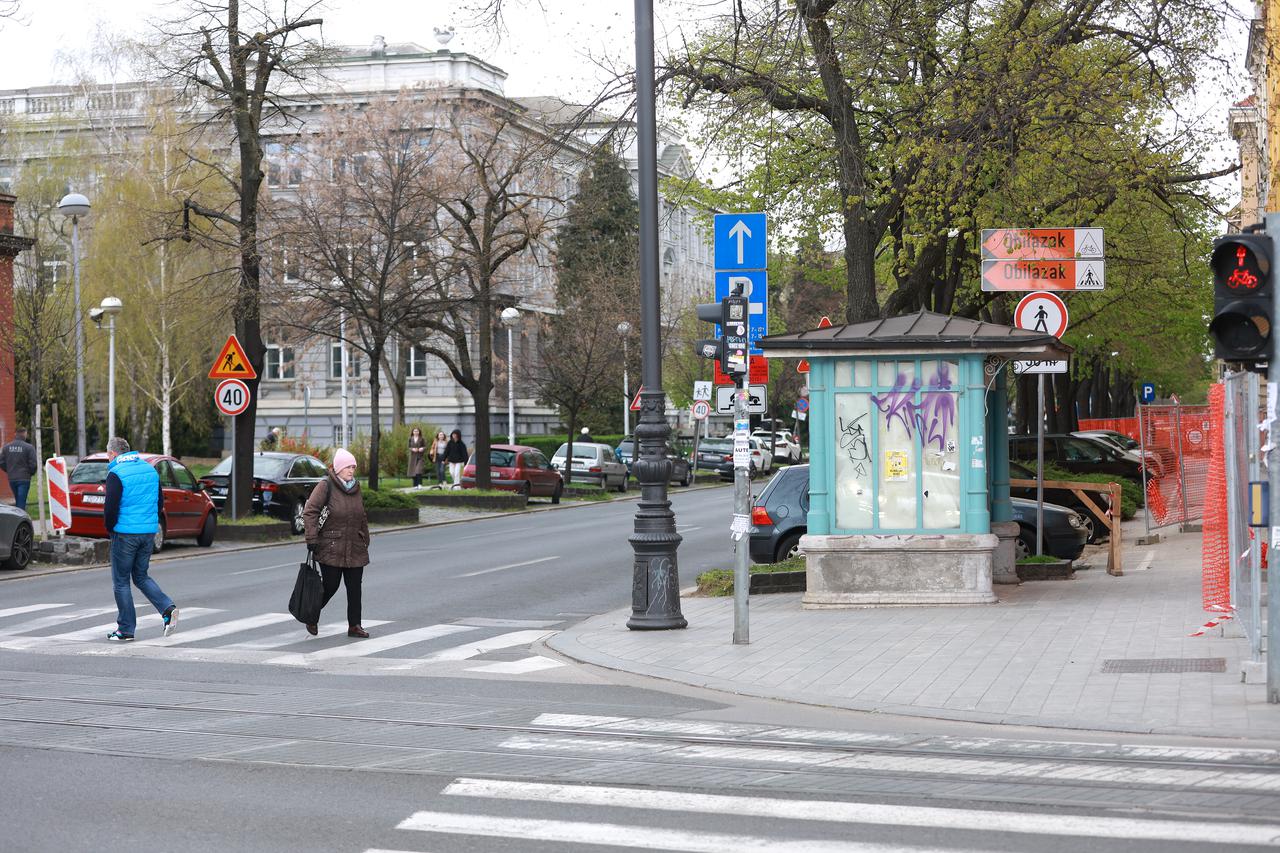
1242	298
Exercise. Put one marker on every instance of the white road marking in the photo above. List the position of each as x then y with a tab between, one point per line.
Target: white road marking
361	648
29	608
300	635
464	651
57	619
687	529
495	533
508	566
1146	561
101	631
221	629
482	622
873	813
264	568
644	837
518	667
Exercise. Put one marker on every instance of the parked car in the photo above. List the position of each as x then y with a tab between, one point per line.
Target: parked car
282	482
1078	455
781	512
1095	526
592	462
785	446
188	511
16	537
518	468
626	452
681	470
1130	447
716	454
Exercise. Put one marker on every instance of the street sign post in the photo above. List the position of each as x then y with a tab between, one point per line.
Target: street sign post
700	410
755	286
757	372
635	402
740	241
1041	312
802	404
232	363
757	400
1148	392
231	397
1060	243
1039	274
701	390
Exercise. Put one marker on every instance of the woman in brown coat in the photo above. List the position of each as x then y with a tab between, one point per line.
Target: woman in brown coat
417	449
341	544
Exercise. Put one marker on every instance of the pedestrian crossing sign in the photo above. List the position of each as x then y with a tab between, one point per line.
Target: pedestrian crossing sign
232	363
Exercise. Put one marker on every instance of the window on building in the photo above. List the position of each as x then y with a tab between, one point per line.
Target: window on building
290	266
417	363
279	363
335	362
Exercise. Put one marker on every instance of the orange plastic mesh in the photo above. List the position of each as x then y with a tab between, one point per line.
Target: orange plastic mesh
1215	580
1176	440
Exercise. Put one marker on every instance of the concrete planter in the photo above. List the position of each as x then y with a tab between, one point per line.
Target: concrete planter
393	515
582	491
460	498
71	551
1059	571
254	532
778	582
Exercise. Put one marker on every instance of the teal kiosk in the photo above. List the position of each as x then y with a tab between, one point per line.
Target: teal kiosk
908	445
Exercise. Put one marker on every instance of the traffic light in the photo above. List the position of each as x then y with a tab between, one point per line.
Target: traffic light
730	317
1242	298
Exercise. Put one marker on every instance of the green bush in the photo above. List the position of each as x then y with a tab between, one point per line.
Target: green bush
298	444
719	582
393	450
549	444
375	499
1130	492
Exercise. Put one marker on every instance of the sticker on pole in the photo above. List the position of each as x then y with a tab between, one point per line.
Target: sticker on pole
231	397
232	363
700	410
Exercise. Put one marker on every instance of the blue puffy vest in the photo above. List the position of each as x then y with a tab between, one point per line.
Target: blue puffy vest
140	495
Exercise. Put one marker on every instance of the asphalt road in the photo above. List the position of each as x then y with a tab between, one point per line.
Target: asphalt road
452	730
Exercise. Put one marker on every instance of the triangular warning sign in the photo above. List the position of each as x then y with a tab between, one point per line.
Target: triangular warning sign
825	322
635	403
1087	248
232	363
803	366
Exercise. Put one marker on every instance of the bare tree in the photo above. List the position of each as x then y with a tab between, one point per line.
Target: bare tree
359	230
233	54
497	201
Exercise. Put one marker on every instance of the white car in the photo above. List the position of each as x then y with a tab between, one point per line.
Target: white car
1126	446
592	463
761	460
785	446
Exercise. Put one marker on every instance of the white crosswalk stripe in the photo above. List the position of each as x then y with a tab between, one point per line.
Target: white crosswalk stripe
207	634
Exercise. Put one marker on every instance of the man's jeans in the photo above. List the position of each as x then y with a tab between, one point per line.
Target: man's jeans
20	489
130	558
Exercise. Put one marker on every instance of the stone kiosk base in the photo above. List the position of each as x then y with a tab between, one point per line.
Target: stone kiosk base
864	571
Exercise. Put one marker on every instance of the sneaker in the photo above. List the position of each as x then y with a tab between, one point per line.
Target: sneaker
170	620
117	637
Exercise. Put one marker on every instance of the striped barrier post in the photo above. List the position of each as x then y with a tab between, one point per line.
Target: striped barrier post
55	474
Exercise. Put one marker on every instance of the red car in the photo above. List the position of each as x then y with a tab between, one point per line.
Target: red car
188	512
517	468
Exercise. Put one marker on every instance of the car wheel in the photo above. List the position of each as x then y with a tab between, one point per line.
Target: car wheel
298	523
622	487
789	547
1025	545
556	495
205	539
20	548
688	478
523	489
1091	527
157	541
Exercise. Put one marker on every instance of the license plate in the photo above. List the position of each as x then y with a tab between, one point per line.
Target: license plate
94	499
219	492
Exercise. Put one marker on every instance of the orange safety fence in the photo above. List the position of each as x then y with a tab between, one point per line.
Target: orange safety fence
1128	426
1215	583
1176	444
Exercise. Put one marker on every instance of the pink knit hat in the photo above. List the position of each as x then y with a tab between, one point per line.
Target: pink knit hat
342	458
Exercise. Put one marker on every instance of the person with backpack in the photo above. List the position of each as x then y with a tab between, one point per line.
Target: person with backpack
18	462
337	531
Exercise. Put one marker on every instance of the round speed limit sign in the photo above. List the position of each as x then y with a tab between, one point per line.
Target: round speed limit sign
701	409
231	397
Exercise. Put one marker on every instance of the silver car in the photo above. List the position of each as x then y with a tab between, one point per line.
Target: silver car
17	538
592	463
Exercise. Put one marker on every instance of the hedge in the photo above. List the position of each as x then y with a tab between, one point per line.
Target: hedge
549	444
387	500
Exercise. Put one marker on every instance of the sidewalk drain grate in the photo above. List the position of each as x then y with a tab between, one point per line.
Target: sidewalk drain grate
1165	665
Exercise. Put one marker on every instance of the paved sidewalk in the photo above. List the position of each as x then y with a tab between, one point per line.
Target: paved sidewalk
1035	658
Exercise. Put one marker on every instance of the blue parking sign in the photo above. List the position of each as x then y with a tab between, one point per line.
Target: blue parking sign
755	286
740	241
1148	392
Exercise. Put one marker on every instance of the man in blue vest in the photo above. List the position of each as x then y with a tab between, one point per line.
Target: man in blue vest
131	513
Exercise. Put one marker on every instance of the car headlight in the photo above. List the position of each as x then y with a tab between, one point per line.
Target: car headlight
1075	520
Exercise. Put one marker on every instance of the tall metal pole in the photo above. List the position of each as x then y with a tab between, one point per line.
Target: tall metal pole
1273	485
1040	465
42	485
626	392
742	515
655	582
511	389
342	345
75	268
111	376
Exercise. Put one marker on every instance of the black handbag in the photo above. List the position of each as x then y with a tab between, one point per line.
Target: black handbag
308	593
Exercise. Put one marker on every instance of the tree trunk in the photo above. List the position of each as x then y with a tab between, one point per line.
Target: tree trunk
568	451
484	389
397	380
375	427
166	401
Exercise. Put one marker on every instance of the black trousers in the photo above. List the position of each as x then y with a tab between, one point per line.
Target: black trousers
334	575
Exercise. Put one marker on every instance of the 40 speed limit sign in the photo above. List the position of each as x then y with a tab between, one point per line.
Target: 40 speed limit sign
231	397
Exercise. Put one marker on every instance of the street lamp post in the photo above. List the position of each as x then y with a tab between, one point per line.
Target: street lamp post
111	306
624	329
510	316
76	205
655	582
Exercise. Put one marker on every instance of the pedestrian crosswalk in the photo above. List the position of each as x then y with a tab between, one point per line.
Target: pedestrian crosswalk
666	819
480	645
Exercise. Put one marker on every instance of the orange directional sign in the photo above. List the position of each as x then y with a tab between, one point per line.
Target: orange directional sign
1042	243
232	363
757	372
1011	275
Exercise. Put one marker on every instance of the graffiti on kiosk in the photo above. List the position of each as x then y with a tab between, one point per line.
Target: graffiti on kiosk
933	417
853	440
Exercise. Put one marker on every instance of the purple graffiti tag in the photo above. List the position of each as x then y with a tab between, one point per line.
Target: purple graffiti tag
933	417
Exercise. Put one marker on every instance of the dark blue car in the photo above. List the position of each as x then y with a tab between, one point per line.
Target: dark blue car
780	517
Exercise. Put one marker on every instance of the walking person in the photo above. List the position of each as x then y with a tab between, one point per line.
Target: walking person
417	450
438	447
131	514
18	462
455	453
341	542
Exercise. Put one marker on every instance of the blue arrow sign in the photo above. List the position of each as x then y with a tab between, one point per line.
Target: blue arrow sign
1148	392
755	286
740	242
